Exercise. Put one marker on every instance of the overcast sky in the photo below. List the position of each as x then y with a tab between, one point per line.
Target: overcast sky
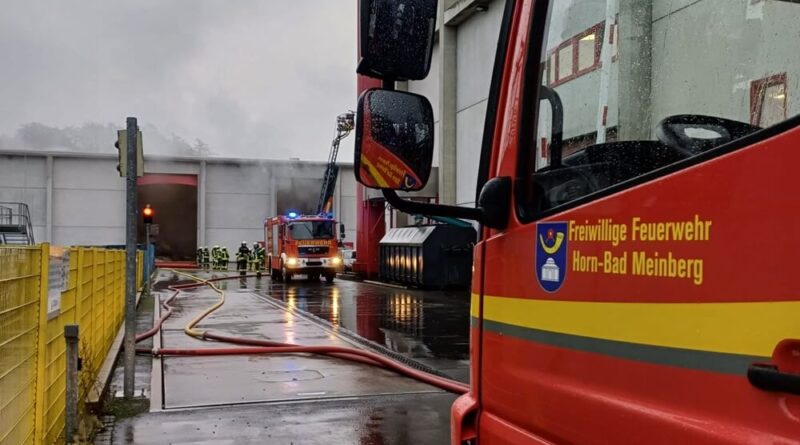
252	78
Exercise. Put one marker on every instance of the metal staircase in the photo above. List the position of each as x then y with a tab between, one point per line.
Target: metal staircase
15	224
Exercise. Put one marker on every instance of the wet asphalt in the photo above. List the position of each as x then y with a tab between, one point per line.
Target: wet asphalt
398	419
431	327
298	398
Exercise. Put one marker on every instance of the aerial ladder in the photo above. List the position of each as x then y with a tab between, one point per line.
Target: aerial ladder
345	123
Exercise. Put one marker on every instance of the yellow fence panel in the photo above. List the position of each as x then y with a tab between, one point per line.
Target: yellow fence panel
19	327
32	347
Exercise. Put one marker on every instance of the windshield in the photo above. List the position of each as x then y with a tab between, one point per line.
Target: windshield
305	230
629	87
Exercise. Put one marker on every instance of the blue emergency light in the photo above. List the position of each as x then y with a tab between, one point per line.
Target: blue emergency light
292	215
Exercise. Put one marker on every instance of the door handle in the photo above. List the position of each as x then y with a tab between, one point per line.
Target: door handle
783	375
767	377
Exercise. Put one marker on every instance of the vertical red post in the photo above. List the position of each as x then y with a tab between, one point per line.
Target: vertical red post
370	221
370	228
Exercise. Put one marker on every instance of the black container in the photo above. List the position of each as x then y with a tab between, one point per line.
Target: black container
436	256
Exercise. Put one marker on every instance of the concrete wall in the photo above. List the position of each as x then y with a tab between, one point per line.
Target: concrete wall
24	179
476	47
88	196
238	198
345	203
475	41
429	87
88	202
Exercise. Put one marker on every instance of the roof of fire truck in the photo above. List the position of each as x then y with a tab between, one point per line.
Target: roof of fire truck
295	216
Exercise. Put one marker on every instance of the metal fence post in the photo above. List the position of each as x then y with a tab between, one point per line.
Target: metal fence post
71	410
130	260
41	343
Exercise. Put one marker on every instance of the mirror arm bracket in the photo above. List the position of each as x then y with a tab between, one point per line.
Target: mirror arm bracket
421	208
493	208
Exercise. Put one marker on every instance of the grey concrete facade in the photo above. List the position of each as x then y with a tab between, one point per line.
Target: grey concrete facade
79	199
458	88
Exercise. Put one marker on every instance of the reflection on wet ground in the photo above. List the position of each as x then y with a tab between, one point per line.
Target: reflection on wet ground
418	419
431	327
300	398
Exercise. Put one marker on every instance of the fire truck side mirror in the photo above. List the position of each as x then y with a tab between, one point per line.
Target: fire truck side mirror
394	140
341	231
396	38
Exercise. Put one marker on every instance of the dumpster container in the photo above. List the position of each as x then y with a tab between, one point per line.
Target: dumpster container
435	256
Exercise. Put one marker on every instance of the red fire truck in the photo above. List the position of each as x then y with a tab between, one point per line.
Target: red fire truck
635	281
299	244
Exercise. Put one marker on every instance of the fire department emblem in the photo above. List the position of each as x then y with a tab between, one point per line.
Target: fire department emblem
551	254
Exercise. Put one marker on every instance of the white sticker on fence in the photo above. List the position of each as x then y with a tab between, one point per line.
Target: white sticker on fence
57	280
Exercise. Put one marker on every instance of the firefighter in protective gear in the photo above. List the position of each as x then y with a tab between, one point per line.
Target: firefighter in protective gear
199	255
214	257
223	258
242	257
257	257
205	257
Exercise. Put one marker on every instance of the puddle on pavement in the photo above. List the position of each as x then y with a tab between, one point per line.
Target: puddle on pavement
432	326
419	324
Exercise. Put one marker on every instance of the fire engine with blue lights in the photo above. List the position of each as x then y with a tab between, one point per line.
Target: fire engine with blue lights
303	245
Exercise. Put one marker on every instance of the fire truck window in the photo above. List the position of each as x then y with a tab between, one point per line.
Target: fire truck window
565	62
645	84
586	51
306	230
768	100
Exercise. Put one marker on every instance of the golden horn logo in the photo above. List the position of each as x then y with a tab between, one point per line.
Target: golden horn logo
556	246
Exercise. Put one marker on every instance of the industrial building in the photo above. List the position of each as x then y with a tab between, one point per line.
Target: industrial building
79	199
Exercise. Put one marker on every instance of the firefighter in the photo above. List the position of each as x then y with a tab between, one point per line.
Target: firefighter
215	252
257	257
199	255
206	257
223	258
242	257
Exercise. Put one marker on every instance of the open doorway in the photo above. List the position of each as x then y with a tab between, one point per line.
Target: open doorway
174	201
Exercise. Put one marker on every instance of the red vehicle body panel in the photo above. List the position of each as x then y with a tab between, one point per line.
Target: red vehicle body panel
631	357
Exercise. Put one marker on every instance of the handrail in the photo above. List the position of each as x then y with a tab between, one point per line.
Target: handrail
20	218
5	215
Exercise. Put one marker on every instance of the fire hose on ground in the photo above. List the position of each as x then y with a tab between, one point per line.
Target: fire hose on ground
256	346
